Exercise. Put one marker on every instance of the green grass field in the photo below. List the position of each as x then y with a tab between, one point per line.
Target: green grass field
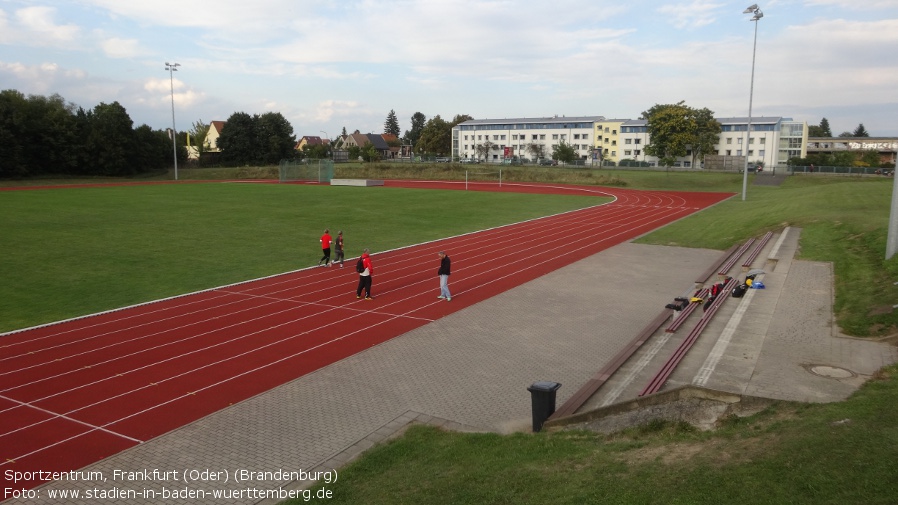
75	251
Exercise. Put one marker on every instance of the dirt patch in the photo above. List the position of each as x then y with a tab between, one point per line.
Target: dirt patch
882	309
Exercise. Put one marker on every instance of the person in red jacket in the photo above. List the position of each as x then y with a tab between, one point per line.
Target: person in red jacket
326	248
365	277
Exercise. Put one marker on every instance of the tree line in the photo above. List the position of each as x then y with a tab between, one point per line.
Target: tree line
45	135
48	136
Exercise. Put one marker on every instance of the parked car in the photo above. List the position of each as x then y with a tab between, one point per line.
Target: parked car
548	163
442	160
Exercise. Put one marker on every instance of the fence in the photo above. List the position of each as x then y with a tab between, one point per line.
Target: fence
321	171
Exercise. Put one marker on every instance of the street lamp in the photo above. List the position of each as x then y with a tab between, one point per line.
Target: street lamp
326	137
172	68
753	9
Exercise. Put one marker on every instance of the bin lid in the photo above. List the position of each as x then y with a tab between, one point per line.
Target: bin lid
546	386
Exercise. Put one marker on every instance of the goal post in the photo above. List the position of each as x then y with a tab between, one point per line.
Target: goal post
308	170
488	176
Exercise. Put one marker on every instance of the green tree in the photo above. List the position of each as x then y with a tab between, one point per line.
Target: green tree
675	129
275	138
564	152
317	151
152	149
860	131
821	130
369	153
198	134
418	122
706	134
37	135
671	131
824	128
436	137
237	139
13	151
391	124
536	150
110	140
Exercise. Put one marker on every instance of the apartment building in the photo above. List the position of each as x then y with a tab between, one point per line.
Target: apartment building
773	140
523	138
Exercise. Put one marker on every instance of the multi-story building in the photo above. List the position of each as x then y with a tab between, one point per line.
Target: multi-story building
773	140
525	138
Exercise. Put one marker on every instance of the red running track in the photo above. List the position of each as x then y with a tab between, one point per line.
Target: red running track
75	392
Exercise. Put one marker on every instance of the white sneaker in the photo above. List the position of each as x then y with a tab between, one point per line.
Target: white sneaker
440	297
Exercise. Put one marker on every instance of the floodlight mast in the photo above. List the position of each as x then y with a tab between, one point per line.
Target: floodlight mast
172	68
752	9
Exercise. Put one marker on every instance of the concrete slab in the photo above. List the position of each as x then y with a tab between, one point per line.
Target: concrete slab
356	182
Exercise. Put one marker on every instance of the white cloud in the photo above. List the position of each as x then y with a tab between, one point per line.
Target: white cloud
38	21
696	14
853	4
120	48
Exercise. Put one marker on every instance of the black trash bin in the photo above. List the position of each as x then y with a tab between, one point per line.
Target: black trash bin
542	397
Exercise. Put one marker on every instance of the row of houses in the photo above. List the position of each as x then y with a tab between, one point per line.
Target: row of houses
385	144
772	142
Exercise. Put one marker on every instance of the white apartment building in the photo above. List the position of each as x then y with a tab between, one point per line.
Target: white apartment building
509	138
773	140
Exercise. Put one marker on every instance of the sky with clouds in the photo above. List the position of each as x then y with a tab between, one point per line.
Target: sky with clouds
329	64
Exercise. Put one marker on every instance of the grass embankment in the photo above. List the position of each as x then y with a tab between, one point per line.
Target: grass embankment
799	454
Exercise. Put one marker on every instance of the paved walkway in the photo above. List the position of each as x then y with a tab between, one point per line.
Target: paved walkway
470	370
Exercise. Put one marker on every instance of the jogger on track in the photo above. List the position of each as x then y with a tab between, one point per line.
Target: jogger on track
365	276
326	248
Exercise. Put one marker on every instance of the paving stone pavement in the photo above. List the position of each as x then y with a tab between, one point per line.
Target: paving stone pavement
470	370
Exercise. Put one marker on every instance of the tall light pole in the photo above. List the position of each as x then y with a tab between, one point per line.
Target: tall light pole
753	9
172	68
326	137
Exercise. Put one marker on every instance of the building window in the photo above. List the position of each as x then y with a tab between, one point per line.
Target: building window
554	136
627	153
502	137
576	136
628	141
751	153
729	140
739	141
738	152
478	137
729	153
613	153
751	140
763	140
542	136
636	152
637	141
761	153
514	137
614	142
614	132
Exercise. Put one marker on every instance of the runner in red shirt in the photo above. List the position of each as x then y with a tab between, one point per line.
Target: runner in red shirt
326	248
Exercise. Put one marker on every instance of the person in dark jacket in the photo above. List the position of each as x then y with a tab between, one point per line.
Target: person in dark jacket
443	272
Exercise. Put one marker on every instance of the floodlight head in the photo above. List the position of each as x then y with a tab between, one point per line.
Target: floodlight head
758	15
751	8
